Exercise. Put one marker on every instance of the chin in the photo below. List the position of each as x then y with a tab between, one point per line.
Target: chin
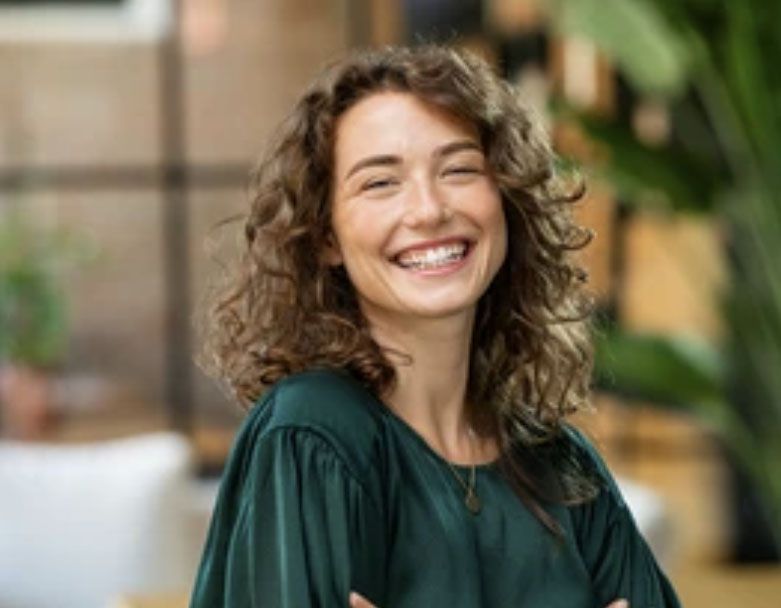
442	309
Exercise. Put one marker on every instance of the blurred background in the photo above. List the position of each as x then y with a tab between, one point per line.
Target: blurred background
127	130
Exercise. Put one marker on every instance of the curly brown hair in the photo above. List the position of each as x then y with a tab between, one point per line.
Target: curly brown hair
284	309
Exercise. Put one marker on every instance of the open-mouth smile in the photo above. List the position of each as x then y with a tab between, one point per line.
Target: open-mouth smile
445	255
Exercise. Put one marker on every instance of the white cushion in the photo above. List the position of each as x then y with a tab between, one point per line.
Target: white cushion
81	523
651	516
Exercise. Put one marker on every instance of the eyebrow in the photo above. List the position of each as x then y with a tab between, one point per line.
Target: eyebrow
373	161
457	146
384	160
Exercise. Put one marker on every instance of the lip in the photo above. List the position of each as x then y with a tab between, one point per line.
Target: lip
423	245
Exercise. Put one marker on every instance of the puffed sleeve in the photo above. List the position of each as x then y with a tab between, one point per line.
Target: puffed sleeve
293	528
619	560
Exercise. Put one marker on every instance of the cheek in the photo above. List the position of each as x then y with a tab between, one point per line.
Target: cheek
359	234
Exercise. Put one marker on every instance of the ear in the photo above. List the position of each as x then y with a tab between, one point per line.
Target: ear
332	253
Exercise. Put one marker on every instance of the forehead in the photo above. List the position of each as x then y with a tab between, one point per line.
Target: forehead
395	123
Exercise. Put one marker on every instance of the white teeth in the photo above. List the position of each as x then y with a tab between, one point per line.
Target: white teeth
434	257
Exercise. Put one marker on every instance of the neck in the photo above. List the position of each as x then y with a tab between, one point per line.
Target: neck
431	358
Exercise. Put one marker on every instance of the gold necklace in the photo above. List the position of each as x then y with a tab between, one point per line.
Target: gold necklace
471	499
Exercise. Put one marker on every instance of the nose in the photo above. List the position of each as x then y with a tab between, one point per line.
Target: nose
427	205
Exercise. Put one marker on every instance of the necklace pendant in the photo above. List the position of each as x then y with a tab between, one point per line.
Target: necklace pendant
472	502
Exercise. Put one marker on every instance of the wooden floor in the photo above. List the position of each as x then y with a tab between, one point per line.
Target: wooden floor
710	585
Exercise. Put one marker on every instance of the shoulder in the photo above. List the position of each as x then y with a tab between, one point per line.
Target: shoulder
583	447
326	399
592	465
327	403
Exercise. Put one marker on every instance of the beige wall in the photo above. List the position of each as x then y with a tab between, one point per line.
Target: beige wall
97	105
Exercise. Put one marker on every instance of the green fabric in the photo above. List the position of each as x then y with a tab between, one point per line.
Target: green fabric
327	491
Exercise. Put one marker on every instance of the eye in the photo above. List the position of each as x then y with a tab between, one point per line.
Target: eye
462	171
379	183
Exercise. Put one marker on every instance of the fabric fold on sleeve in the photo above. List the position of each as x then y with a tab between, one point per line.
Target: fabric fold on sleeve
305	530
618	558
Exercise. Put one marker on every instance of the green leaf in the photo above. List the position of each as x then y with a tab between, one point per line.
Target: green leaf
668	175
750	76
676	372
33	306
635	35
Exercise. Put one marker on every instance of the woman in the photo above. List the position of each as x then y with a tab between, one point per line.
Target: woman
408	322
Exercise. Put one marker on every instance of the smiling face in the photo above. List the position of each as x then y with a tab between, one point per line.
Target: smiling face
417	219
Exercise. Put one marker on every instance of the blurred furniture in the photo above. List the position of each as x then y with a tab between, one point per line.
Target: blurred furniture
651	516
81	523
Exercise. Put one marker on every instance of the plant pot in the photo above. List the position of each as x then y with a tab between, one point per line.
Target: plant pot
25	402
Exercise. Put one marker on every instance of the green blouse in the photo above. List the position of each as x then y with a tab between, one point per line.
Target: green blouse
327	491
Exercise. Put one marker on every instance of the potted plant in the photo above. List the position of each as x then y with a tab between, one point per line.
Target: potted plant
33	327
714	66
